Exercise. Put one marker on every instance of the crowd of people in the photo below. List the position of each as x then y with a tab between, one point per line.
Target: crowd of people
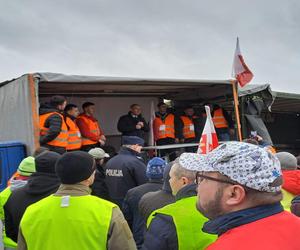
240	195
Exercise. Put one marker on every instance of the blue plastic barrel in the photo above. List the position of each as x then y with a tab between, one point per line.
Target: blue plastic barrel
11	154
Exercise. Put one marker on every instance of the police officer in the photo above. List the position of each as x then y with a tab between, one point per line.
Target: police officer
126	170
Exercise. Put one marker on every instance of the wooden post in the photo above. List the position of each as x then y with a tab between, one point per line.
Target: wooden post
35	116
236	108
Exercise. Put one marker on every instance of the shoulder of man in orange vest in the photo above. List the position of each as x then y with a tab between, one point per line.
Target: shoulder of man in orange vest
51	123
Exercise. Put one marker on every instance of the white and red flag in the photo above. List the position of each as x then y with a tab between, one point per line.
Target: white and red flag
209	139
240	70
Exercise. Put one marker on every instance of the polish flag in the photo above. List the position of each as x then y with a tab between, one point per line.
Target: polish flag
209	139
240	70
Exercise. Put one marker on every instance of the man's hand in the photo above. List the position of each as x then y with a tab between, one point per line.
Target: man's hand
138	126
182	140
103	138
176	140
102	143
141	124
231	131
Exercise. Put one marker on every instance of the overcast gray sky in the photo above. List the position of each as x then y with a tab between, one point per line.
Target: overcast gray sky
152	38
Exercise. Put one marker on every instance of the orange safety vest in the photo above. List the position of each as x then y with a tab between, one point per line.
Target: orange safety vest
93	127
62	139
219	119
164	129
188	127
74	136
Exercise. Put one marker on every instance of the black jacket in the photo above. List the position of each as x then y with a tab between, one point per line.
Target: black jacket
99	187
161	234
39	186
131	211
158	199
123	172
127	123
54	123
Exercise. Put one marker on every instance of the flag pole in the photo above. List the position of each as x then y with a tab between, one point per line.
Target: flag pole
236	108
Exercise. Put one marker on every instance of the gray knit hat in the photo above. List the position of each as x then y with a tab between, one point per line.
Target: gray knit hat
287	160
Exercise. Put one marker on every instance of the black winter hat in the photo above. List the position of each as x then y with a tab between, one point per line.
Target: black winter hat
74	167
45	162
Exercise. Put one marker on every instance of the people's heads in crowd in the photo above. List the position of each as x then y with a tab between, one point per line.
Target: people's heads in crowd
39	150
76	167
133	142
155	168
162	107
45	162
72	110
99	155
287	161
189	111
59	102
26	167
180	175
237	176
88	108
135	109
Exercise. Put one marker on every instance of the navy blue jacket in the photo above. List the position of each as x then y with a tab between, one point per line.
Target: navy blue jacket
161	234
123	172
131	209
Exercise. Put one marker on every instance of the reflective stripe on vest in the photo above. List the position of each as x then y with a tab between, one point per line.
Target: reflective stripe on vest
74	137
219	119
187	125
287	200
164	129
82	224
62	139
4	195
188	222
93	128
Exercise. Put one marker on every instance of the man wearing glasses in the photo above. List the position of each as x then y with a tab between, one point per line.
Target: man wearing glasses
239	190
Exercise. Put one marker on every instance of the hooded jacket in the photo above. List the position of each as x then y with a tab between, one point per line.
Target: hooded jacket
131	211
158	199
39	186
53	122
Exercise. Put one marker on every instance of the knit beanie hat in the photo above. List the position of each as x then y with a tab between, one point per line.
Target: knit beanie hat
74	167
27	166
287	160
155	168
45	162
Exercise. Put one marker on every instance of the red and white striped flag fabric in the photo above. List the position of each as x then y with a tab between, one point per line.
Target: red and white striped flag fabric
209	139
240	70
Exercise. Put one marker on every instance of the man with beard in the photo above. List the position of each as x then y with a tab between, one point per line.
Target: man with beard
239	190
178	225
